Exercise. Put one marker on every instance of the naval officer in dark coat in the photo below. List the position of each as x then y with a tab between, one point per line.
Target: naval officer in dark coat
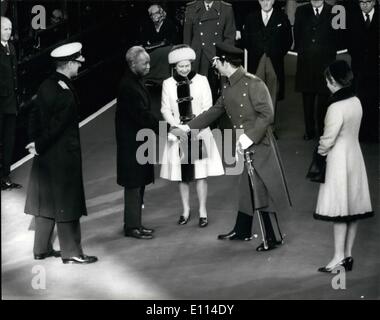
133	113
55	193
246	101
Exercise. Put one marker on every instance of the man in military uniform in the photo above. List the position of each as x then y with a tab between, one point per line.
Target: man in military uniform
8	103
206	24
246	101
55	193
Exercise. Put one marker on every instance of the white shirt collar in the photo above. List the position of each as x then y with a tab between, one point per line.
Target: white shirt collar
319	9
264	14
4	43
371	13
208	4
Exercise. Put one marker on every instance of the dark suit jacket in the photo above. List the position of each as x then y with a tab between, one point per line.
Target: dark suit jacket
275	40
8	80
203	29
56	184
168	33
133	113
316	45
363	44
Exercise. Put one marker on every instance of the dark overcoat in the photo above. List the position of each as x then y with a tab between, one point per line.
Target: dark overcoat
316	43
56	183
168	33
204	29
133	113
8	80
247	102
274	39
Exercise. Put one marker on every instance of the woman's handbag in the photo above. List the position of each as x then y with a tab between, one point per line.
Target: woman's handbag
317	169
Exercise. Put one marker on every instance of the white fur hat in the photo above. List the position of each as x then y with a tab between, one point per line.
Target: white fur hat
180	54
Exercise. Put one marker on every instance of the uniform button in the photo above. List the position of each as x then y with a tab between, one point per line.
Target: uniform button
246	83
241	106
244	94
225	87
241	116
213	43
217	23
203	44
241	126
200	22
234	127
201	33
313	40
223	97
216	33
230	116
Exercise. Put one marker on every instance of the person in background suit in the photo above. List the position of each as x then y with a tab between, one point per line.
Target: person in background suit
159	29
133	113
55	192
206	24
316	46
363	46
8	103
268	37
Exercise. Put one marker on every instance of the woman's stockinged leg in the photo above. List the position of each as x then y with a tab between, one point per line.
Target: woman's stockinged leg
350	237
340	232
202	196
185	197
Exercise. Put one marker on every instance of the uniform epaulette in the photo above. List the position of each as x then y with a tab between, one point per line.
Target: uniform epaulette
250	75
226	3
191	3
63	85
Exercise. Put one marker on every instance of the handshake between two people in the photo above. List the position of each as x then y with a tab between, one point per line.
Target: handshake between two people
178	132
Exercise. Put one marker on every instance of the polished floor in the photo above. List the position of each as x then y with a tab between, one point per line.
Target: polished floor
187	262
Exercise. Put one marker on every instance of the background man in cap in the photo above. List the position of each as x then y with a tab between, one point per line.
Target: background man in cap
8	103
133	113
55	193
246	101
206	24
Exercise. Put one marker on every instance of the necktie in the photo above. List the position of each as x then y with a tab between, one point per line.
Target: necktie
317	12
266	18
7	49
367	20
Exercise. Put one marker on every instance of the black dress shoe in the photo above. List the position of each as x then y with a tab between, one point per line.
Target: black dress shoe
203	222
146	230
52	253
234	236
182	220
81	259
271	245
138	234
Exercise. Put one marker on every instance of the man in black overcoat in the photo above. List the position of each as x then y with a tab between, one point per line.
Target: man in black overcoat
55	192
363	46
267	37
316	44
133	113
8	103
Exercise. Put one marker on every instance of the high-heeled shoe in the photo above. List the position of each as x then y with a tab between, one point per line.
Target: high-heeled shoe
203	222
331	269
183	220
348	263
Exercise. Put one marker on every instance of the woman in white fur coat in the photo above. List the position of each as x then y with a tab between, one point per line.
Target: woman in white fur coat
185	95
344	197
